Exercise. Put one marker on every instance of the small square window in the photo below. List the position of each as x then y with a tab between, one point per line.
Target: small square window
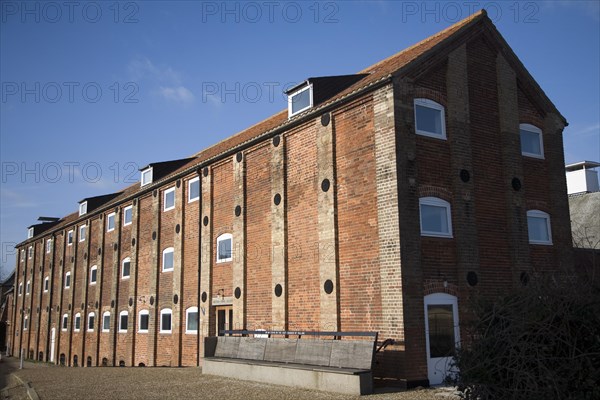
300	100
126	270
435	217
70	238
106	322
169	199
110	222
127	215
430	119
531	141
224	248
144	321
82	232
193	190
538	227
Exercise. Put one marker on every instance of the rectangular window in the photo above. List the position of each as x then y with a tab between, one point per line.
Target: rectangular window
168	259
30	252
429	119
300	100
169	199
65	322
144	321
82	208
192	320
123	321
93	275
20	288
91	322
82	231
67	280
46	284
193	190
224	248
147	176
77	322
25	324
48	246
165	321
106	322
538	227
126	268
28	287
110	222
22	255
70	238
531	141
127	215
29	233
435	217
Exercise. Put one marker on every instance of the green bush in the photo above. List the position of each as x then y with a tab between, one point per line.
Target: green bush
541	341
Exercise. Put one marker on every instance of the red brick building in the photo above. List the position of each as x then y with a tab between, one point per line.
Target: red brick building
378	201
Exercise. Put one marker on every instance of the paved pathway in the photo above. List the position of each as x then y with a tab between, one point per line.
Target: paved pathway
51	382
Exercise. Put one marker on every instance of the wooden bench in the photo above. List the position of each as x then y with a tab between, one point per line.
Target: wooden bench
320	360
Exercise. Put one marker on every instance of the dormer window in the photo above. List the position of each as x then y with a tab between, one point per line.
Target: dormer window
300	100
82	208
29	233
147	176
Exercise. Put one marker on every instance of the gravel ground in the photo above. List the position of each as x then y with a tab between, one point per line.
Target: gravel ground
51	382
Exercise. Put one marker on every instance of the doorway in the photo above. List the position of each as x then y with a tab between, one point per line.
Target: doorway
224	319
442	335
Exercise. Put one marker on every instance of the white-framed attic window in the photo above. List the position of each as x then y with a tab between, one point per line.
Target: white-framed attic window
82	208
146	176
430	119
300	100
29	233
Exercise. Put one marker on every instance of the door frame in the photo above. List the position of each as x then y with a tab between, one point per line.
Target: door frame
433	364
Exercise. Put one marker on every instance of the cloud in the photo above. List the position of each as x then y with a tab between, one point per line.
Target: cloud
167	82
178	94
589	130
14	199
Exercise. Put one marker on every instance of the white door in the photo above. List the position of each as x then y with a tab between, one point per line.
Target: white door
52	343
442	335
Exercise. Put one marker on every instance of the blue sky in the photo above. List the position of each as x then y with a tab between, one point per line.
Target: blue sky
91	91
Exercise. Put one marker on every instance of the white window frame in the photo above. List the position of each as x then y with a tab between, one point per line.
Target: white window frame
187	318
82	208
75	320
68	280
164	253
82	233
21	289
70	238
91	315
165	193
30	232
22	255
46	284
93	268
436	106
125	223
28	288
121	314
163	312
146	176
48	246
297	92
143	312
546	217
224	236
64	322
30	252
109	217
436	202
532	129
104	315
126	259
25	323
190	182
